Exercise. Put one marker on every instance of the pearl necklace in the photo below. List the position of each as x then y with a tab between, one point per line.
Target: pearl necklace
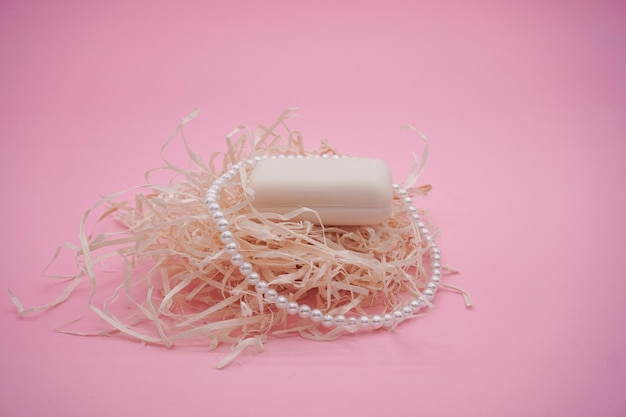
271	296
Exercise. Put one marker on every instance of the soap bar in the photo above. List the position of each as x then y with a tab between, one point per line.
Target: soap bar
343	191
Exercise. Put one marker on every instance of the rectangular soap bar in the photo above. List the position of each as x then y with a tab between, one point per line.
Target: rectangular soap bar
344	191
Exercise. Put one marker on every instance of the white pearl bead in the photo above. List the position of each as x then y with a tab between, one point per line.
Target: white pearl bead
271	295
412	209
210	199
327	320
429	294
420	224
340	319
436	271
213	207
236	167
236	259
415	216
424	231
435	249
407	200
316	315
261	287
435	257
377	322
292	308
364	321
432	286
402	192
281	301
407	310
435	265
232	248
227	236
436	279
222	225
397	315
246	268
352	323
254	278
387	320
415	305
304	311
218	215
395	186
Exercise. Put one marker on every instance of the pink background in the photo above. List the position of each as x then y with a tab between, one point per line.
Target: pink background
524	103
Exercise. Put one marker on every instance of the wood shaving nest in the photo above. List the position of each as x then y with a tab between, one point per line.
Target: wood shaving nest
177	284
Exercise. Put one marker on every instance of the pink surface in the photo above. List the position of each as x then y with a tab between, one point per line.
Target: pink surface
524	104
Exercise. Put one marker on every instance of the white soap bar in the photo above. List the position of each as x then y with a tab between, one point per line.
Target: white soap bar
344	191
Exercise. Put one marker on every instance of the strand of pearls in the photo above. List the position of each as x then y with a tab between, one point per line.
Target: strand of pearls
271	296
